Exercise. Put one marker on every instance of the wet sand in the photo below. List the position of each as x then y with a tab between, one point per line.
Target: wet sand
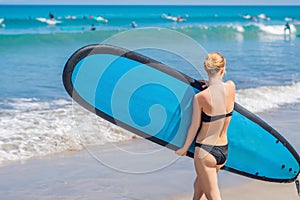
80	175
77	175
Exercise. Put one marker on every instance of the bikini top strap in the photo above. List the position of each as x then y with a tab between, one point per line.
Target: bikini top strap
207	118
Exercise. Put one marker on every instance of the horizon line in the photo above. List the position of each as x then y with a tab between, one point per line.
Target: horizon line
92	4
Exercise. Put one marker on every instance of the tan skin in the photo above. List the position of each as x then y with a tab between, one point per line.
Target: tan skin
217	99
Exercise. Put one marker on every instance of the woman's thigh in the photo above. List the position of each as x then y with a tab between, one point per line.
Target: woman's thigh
206	169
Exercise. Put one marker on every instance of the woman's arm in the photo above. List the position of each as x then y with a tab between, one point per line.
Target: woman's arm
195	123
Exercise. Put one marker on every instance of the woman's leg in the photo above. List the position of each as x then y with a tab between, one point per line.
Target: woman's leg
205	165
198	192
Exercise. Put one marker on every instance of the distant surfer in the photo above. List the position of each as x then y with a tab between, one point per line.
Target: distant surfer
212	111
51	16
287	27
93	28
179	19
133	24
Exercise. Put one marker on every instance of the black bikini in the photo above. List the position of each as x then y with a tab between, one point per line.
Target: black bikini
207	118
218	152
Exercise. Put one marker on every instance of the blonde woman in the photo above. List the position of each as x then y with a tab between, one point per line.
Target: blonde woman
212	110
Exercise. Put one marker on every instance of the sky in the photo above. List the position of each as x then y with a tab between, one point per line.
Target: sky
155	2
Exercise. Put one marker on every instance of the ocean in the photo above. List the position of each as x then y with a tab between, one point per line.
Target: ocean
38	118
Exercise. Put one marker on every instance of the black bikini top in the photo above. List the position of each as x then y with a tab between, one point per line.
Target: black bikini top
207	118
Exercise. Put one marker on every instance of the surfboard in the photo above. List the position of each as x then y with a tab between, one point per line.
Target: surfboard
48	21
99	19
154	101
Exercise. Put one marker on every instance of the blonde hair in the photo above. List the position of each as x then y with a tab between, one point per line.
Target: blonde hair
214	62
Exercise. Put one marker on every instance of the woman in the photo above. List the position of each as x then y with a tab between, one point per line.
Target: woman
212	110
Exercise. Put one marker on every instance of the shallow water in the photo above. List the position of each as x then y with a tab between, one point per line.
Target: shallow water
37	117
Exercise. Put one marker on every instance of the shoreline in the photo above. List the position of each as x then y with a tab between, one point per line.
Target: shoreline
78	175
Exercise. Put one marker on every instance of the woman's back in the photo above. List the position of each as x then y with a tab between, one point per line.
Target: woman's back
212	109
216	104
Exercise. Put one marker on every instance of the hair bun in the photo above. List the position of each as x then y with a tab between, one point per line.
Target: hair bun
214	62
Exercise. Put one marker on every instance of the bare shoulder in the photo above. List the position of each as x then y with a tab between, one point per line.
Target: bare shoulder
231	90
201	97
230	84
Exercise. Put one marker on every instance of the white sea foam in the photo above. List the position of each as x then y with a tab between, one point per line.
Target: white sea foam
275	29
238	28
31	127
264	98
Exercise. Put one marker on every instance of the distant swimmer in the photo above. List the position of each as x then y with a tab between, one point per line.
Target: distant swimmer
287	27
180	19
133	24
254	19
51	16
173	18
93	28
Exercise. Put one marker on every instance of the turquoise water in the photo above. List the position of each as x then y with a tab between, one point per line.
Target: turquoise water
29	47
121	16
261	60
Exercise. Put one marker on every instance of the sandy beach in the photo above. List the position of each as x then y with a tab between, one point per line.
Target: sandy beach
77	175
85	174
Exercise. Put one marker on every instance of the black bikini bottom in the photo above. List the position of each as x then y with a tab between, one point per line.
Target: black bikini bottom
218	152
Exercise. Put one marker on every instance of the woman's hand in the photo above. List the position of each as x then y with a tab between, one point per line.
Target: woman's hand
181	152
204	84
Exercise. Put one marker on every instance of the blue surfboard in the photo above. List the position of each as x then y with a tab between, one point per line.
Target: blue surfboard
153	100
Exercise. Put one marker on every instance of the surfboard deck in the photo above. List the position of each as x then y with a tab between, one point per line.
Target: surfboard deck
154	101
